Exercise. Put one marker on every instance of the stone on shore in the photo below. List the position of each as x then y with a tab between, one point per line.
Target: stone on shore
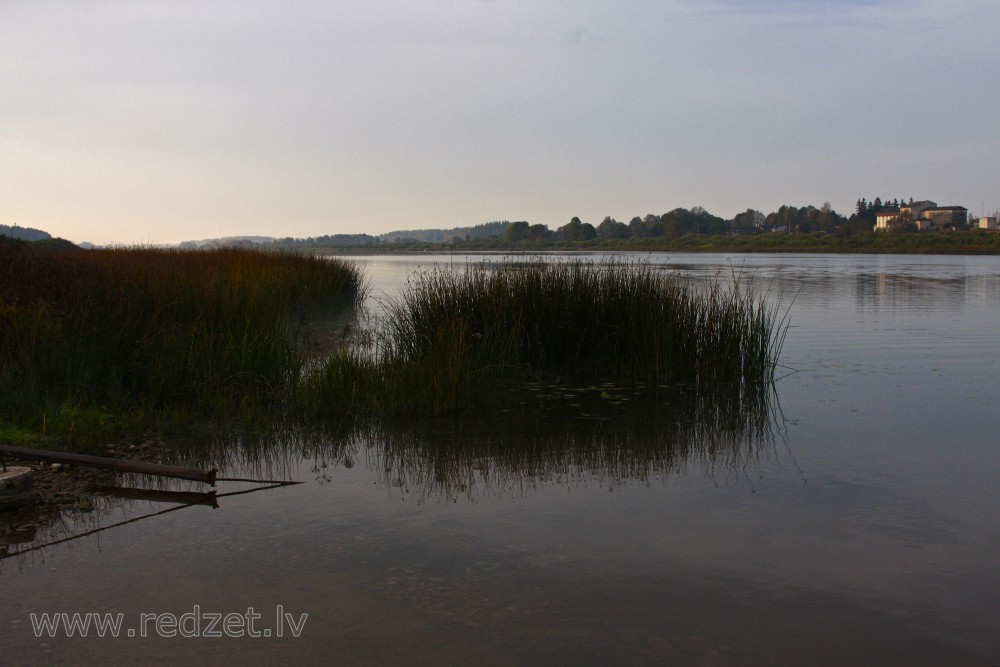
16	487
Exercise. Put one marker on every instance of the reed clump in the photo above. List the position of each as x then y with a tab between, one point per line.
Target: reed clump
132	330
457	339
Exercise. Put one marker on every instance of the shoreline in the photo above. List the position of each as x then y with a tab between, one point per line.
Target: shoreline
970	243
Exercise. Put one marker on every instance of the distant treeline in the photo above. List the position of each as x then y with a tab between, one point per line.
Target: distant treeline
651	228
488	230
666	229
24	233
681	221
484	232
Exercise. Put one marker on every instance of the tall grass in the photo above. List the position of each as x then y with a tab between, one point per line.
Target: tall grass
134	329
455	339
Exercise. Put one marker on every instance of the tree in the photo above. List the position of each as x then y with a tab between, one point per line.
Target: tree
748	220
826	217
572	231
676	223
902	223
516	231
612	229
636	229
539	233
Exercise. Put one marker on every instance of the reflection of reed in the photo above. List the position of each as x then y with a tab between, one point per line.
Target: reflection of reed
570	436
271	455
551	433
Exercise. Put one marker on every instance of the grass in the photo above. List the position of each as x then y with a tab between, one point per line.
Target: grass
96	343
459	340
92	339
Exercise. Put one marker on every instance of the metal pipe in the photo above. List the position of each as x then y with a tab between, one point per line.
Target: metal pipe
121	465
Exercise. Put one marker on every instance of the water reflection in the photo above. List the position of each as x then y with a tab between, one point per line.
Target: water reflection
27	530
893	292
27	533
721	434
554	434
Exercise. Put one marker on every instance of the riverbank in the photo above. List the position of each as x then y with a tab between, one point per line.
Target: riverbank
64	484
968	242
58	488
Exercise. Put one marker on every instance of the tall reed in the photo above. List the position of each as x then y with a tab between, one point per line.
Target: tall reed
145	329
454	339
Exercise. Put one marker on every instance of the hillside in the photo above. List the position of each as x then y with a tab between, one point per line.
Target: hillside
24	233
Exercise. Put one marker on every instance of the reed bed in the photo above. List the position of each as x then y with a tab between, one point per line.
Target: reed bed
128	330
458	339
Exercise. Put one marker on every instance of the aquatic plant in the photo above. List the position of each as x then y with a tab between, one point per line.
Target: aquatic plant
128	330
458	339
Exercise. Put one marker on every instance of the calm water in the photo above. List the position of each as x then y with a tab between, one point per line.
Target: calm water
855	521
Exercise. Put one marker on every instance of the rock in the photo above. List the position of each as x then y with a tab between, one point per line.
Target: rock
16	487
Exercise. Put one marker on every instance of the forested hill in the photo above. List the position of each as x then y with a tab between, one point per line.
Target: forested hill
24	233
488	230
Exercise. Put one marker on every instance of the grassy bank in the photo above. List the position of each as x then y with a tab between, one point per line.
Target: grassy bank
968	242
93	342
472	339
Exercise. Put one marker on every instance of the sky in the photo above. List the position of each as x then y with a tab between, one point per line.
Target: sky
159	121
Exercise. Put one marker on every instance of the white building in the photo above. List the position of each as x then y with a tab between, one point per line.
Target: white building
924	214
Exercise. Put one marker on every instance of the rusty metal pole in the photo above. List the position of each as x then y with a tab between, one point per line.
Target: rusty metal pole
121	465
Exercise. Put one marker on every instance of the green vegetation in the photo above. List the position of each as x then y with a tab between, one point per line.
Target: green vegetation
94	342
970	242
456	340
788	229
961	242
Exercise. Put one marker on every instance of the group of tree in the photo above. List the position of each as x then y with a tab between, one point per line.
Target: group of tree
329	240
681	221
672	224
865	211
877	205
487	231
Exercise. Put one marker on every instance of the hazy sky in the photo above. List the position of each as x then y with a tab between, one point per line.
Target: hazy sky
143	121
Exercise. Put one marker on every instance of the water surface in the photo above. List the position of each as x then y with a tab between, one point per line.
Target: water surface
853	519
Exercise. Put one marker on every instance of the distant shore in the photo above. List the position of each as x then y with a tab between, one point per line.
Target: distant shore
971	242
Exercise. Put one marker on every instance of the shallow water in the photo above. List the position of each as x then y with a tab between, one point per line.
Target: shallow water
854	521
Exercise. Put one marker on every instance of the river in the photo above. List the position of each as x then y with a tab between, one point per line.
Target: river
861	526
